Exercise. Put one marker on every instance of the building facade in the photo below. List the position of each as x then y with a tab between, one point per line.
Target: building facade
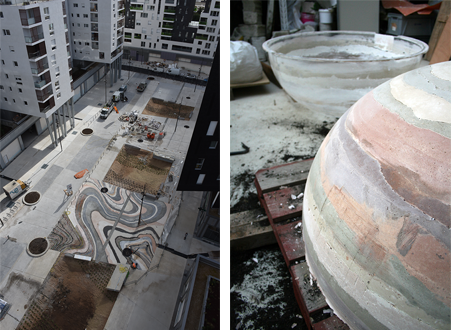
172	29
36	72
42	44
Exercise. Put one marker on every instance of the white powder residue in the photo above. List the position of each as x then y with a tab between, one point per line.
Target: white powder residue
357	52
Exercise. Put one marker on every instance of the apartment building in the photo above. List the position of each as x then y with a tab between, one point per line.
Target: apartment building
97	36
166	29
36	73
44	44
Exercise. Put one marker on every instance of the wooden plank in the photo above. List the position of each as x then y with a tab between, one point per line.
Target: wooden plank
311	294
281	206
331	323
250	230
290	236
442	52
262	81
440	22
283	175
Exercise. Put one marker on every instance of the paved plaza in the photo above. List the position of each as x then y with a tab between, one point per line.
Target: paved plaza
108	222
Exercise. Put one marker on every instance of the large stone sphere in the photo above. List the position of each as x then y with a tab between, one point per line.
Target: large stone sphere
377	206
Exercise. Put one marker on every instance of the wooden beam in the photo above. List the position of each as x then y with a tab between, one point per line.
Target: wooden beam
442	52
440	22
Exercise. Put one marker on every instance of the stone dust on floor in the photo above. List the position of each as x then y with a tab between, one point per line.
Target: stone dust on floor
277	130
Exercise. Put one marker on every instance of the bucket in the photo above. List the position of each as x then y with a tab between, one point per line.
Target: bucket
325	16
325	27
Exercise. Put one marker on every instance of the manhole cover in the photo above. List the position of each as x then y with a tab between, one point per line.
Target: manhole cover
74	132
32	198
87	131
186	126
127	252
44	166
140	140
38	246
104	189
150	78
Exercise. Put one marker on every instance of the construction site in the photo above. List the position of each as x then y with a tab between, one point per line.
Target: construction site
340	143
92	225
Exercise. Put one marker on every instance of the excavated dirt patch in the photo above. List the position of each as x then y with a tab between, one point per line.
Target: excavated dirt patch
165	109
135	168
72	297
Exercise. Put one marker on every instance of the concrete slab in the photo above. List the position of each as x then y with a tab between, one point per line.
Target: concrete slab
49	176
9	255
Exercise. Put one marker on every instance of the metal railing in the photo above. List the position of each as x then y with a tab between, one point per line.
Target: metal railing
40	69
34	38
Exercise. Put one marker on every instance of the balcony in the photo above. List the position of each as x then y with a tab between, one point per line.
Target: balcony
45	94
64	7
166	18
94	27
47	105
28	18
40	84
94	36
201	37
94	18
164	33
120	15
203	22
40	69
94	8
217	4
136	7
169	11
35	55
34	38
95	45
168	26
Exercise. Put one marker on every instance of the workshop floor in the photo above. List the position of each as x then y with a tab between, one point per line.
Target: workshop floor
277	130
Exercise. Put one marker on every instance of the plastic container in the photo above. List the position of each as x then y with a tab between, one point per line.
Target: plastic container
325	16
306	17
335	78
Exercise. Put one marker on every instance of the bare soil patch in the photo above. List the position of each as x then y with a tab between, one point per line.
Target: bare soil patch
32	197
72	297
38	245
135	168
166	109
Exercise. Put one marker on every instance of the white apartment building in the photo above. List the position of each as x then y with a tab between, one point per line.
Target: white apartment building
36	72
97	33
164	28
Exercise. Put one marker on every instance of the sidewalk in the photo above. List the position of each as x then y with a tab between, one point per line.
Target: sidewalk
18	279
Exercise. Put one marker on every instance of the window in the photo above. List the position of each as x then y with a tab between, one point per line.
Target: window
213	144
75	5
143	44
164	46
15	63
1	87
210	30
78	24
85	15
150	45
78	15
214	22
3	62
6	32
86	43
159	25
138	23
20	90
207	45
205	52
19	83
25	102
11	89
214	13
198	51
6	75
14	100
6	99
212	38
1	14
86	25
46	10
211	128
200	179
199	42
145	15
58	95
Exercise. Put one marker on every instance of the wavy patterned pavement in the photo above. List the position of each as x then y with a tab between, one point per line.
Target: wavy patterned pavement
377	206
94	214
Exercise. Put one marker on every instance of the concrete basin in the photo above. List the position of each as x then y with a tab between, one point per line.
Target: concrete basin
377	206
329	71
